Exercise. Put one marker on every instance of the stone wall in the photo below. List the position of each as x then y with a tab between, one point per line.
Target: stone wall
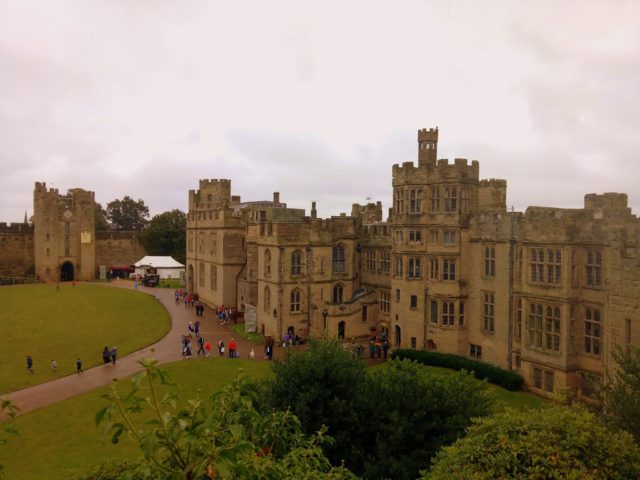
16	249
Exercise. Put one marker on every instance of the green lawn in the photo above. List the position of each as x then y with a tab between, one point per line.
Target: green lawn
73	322
252	337
60	442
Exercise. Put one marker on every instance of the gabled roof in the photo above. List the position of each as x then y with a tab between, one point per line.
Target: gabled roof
158	262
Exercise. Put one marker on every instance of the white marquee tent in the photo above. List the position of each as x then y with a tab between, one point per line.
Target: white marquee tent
166	267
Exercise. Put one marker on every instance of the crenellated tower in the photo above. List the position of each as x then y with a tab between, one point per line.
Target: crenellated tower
427	146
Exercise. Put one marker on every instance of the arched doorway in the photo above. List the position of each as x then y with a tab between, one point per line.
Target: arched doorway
341	328
66	272
398	336
190	278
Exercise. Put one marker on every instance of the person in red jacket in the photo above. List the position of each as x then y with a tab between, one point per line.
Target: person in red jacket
232	348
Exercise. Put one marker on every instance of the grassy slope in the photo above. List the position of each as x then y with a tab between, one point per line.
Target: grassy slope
61	441
73	322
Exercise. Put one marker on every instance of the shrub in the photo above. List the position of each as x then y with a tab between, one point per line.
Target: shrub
481	370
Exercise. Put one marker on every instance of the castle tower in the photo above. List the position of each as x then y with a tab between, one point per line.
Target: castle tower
64	231
427	146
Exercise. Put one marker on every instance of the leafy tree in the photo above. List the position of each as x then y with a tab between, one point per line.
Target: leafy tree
387	423
321	387
101	219
621	393
559	442
167	235
224	438
8	410
128	214
410	414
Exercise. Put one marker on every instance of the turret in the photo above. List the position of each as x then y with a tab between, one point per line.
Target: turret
427	146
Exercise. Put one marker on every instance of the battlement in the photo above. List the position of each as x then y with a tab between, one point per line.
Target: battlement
428	135
212	193
41	187
14	228
493	182
214	182
605	200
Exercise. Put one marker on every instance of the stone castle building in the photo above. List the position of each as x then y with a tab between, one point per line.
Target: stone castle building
62	242
549	292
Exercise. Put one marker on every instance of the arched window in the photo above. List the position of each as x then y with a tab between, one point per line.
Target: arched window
267	263
296	263
338	291
267	299
338	259
295	300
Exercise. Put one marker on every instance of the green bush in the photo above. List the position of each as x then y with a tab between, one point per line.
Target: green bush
481	370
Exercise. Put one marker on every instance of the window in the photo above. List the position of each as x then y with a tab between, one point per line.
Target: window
267	300
296	263
475	351
535	325
201	274
488	312
413	302
399	201
449	237
434	311
537	378
385	261
451	199
399	272
414	267
397	294
434	236
464	200
371	260
461	313
338	291
267	263
435	199
399	236
213	277
594	268
415	200
552	329
518	330
448	269
448	313
338	259
592	333
433	271
548	381
415	236
414	342
546	265
590	384
295	301
489	261
385	304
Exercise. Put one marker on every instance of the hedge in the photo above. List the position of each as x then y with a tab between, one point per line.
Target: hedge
481	370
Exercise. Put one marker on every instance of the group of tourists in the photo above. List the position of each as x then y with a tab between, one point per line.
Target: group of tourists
109	355
54	365
378	347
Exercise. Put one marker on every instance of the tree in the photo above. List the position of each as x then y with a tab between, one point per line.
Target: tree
321	387
101	219
386	423
167	235
127	214
410	414
8	410
559	442
224	438
621	393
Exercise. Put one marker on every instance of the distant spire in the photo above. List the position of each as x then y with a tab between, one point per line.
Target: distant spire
25	217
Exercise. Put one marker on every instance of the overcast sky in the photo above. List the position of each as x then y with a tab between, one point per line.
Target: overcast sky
316	100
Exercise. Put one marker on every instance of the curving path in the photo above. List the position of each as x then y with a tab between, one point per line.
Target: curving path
166	350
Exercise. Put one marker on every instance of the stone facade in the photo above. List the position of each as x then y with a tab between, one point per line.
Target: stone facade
62	243
549	292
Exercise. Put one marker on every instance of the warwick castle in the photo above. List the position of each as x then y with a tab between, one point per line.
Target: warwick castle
548	292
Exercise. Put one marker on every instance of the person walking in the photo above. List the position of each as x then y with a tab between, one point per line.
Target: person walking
221	347
232	348
113	354
54	365
29	364
78	366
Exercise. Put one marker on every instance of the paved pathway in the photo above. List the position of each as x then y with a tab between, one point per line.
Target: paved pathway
168	349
